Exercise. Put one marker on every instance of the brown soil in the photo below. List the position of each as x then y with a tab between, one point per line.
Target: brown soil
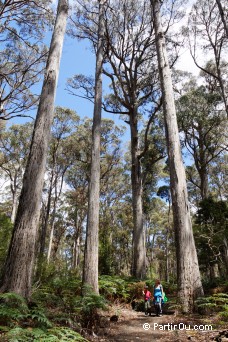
130	328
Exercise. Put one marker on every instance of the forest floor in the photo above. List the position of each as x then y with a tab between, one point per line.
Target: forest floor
134	326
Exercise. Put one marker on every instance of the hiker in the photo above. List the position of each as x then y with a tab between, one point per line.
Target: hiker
147	298
158	297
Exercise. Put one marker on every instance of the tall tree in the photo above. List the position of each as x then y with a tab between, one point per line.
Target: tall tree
219	177
130	52
188	275
207	36
78	175
18	270
129	48
14	148
59	160
211	231
23	53
204	130
90	270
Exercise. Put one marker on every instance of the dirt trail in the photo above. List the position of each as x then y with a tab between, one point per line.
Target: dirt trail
131	328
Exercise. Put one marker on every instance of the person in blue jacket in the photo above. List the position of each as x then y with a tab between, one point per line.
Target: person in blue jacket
158	297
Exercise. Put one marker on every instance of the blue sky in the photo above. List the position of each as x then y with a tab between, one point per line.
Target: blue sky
77	58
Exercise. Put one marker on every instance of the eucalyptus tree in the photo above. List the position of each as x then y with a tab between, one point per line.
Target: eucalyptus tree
115	191
23	53
188	275
5	235
14	148
204	130
223	10
207	36
219	177
159	238
78	175
90	270
77	180
59	160
169	241
211	233
18	269
129	54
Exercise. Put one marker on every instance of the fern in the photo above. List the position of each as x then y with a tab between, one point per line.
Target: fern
65	334
37	335
113	287
13	300
19	335
221	295
38	315
224	313
90	302
3	328
217	302
13	308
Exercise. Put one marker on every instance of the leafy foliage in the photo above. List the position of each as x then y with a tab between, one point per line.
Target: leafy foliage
13	308
90	302
28	322
113	287
5	235
37	335
211	230
38	317
215	303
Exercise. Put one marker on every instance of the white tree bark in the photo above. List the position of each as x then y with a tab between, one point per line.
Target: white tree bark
188	275
90	269
18	270
139	246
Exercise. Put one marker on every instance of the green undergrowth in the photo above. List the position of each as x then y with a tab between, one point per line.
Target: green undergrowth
58	312
22	321
55	334
217	303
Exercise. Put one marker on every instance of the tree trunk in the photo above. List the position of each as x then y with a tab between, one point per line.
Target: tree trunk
14	205
201	165
222	14
14	191
225	253
56	198
139	249
18	270
214	271
188	275
90	269
51	239
47	214
221	81
203	183
76	253
167	256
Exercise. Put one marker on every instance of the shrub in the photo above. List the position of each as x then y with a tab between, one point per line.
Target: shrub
216	303
13	308
113	287
37	335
